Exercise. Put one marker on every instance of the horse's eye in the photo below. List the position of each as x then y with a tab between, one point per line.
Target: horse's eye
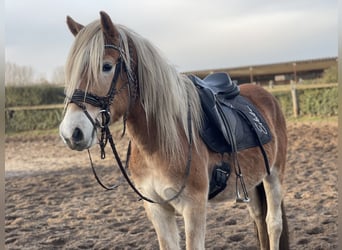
107	67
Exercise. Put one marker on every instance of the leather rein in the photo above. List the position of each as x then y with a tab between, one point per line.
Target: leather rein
80	97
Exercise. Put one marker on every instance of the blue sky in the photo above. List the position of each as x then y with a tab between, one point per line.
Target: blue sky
192	34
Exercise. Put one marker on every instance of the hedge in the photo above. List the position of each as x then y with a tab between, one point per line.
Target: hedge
312	102
17	119
33	95
27	120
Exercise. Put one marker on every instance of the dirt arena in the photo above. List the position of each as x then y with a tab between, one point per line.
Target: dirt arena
54	202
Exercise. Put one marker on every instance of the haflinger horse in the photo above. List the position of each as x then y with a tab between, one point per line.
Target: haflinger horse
112	73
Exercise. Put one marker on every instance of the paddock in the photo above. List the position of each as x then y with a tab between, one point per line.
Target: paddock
54	202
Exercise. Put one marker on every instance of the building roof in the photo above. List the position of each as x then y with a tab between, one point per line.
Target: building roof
272	69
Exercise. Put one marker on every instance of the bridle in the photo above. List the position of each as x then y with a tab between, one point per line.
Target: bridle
81	97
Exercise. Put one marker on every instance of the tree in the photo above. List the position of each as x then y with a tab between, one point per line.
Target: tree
58	75
18	75
330	75
41	79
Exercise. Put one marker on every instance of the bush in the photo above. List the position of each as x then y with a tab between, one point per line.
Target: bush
26	120
330	75
33	95
285	101
312	102
318	102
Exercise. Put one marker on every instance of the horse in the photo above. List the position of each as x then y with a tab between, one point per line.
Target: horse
113	73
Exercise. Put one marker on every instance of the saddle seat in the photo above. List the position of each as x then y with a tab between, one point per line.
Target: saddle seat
219	84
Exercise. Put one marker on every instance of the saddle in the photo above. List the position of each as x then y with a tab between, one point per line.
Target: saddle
230	123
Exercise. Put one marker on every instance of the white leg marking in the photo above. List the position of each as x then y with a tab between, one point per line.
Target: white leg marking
255	210
274	214
164	222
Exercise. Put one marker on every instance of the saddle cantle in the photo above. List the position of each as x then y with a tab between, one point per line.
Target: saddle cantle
230	123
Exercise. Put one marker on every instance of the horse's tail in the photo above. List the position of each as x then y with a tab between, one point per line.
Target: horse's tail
284	243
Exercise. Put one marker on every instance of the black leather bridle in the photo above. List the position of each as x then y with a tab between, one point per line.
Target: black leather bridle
81	97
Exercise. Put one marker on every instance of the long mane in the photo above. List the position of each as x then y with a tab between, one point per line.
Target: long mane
164	93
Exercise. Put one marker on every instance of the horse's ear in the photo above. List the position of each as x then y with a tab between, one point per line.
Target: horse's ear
108	27
74	27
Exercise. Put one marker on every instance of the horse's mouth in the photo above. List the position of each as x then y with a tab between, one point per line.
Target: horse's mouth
75	145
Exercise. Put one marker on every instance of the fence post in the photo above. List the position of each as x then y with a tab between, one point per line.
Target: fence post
294	99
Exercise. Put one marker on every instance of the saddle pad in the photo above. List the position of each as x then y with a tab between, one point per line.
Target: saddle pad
248	127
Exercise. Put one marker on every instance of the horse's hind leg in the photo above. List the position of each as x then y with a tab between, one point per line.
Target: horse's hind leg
274	220
164	222
257	209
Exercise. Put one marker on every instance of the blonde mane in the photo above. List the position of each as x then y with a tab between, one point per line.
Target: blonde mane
85	58
164	93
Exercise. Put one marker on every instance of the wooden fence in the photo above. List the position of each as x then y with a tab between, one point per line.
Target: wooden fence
289	97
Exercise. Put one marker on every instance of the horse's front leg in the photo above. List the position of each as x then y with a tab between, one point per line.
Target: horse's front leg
194	215
193	204
164	222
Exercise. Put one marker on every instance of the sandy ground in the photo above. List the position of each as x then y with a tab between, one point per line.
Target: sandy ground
54	202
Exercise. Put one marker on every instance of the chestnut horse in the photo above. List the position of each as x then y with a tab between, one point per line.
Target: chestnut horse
113	73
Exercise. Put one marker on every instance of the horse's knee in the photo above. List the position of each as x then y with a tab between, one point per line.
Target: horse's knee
194	216
274	228
164	222
274	224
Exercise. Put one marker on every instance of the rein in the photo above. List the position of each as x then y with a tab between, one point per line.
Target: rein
80	97
123	168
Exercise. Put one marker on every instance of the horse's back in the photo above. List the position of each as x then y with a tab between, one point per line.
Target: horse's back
266	103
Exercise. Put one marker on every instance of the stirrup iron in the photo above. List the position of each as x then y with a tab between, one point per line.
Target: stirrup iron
240	199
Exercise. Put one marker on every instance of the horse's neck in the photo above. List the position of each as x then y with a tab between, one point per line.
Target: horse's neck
142	133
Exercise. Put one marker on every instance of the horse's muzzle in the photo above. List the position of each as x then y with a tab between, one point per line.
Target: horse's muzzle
76	141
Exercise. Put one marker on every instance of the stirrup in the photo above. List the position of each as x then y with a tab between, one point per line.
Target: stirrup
240	199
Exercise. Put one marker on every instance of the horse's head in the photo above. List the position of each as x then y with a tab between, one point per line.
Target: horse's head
98	79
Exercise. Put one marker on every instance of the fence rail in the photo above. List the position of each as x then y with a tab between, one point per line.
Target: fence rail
274	89
38	107
287	87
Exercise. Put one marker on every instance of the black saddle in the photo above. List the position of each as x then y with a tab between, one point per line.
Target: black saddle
230	123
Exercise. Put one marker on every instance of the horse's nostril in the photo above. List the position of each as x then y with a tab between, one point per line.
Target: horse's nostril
77	135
